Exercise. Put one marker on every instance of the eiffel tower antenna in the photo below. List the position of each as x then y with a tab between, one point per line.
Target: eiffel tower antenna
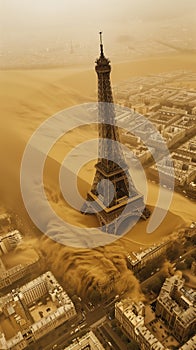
101	43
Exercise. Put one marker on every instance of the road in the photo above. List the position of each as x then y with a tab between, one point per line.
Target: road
113	338
66	333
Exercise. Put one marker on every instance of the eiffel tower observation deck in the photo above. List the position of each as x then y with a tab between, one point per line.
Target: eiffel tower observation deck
113	197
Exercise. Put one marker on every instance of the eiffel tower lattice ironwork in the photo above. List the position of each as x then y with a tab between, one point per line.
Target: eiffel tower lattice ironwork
113	197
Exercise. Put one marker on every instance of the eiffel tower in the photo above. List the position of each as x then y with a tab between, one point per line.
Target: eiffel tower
113	197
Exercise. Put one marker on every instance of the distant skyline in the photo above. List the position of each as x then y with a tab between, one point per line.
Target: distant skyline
26	20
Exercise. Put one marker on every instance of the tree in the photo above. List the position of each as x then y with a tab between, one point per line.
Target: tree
133	345
186	278
174	251
150	266
118	332
113	323
189	260
156	284
95	296
181	265
124	338
193	255
193	239
187	244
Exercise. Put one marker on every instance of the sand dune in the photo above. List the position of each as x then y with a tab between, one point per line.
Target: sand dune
29	97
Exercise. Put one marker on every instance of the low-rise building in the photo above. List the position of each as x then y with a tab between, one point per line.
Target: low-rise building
167	115
181	170
176	306
5	223
190	344
130	316
187	122
16	273
32	311
173	134
137	260
9	241
88	341
8	276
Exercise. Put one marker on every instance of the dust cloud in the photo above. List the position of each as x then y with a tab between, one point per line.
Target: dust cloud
27	98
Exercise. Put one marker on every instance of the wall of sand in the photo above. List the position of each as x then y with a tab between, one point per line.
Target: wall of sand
28	97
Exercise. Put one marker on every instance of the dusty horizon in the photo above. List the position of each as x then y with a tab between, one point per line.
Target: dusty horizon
63	33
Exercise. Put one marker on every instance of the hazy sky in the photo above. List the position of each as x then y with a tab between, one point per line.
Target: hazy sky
82	19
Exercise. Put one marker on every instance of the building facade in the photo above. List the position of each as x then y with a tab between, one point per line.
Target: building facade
130	316
137	261
34	310
9	241
16	273
88	342
176	306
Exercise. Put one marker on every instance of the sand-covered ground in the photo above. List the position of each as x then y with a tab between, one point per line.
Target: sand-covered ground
27	98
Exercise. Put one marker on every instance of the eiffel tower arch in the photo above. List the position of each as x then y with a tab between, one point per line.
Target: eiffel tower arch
113	197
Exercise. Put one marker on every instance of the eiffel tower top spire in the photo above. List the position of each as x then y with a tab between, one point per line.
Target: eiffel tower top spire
101	44
103	65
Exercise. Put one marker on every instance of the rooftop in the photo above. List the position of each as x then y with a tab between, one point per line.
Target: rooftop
33	306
